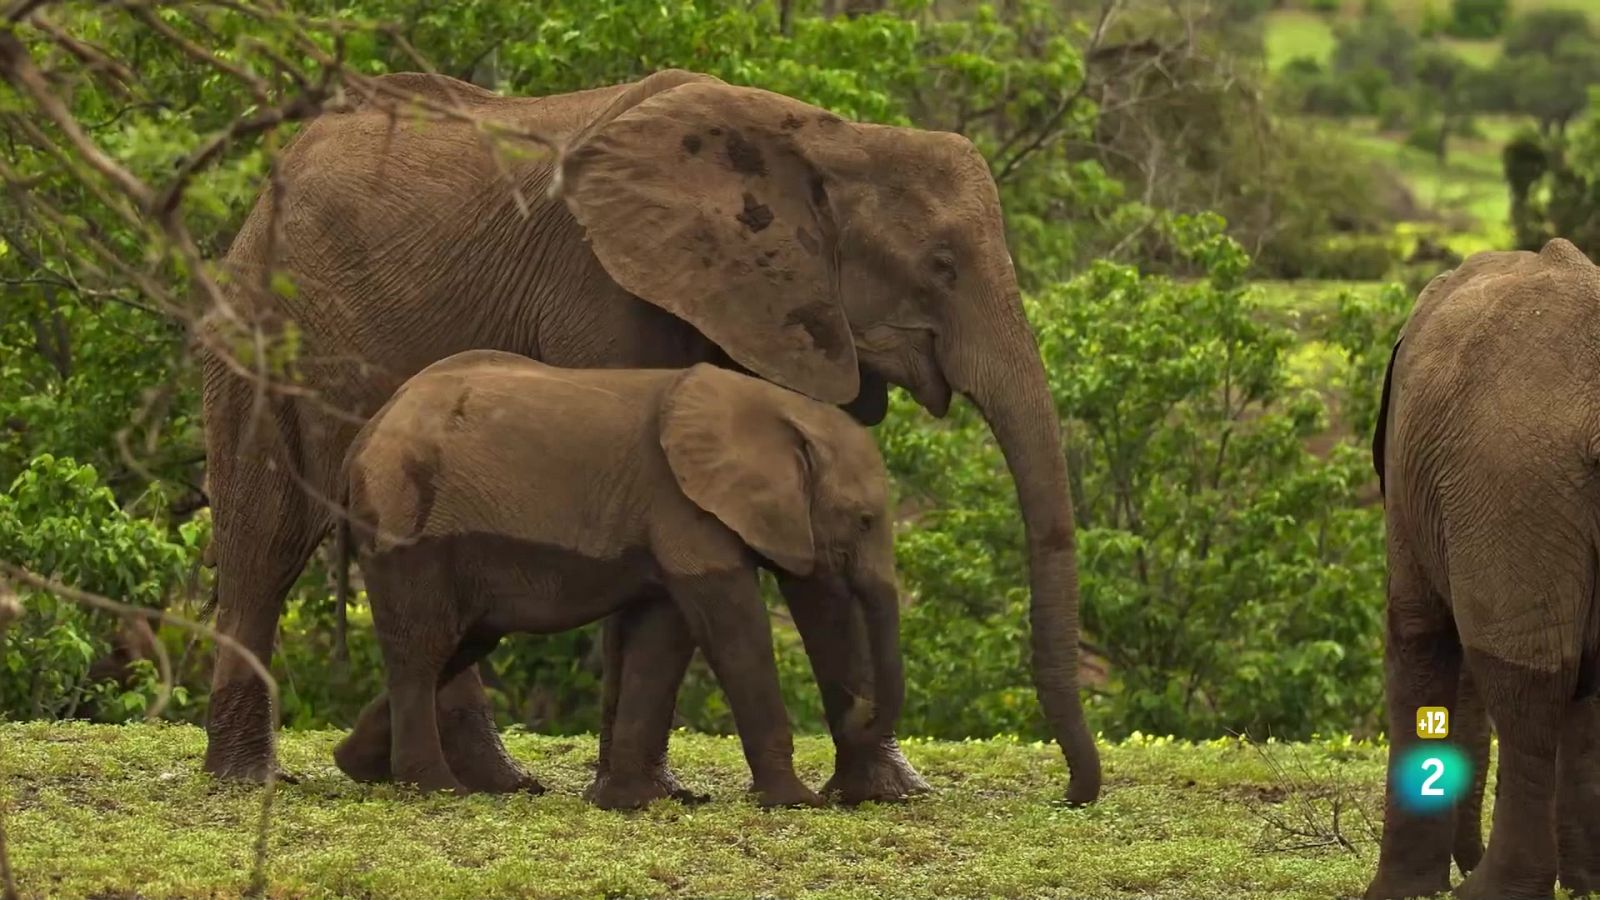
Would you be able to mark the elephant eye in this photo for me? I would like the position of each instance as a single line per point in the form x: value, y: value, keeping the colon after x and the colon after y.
x: 866, y: 521
x: 944, y: 266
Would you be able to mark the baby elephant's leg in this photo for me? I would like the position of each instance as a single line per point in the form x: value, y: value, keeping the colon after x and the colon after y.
x: 725, y: 615
x: 364, y: 753
x: 465, y: 718
x: 647, y: 651
x: 419, y: 638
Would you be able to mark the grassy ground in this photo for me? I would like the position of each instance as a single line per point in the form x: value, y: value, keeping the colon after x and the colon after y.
x: 110, y: 811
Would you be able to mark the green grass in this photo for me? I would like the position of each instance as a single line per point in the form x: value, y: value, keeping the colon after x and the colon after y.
x: 1294, y: 34
x: 113, y: 811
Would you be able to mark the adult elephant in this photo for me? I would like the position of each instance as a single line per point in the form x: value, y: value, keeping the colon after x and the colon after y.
x: 686, y: 220
x: 1487, y: 449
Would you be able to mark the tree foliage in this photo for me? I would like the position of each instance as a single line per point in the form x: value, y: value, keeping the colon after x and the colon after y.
x: 1230, y: 577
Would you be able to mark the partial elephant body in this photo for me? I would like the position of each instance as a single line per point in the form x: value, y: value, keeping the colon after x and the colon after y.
x: 494, y: 494
x: 692, y: 221
x: 1489, y: 450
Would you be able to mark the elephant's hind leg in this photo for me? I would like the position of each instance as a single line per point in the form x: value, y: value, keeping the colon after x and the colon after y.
x: 1469, y: 722
x: 1422, y: 664
x: 1578, y: 802
x: 647, y: 651
x: 470, y: 739
x: 418, y: 631
x: 1527, y: 706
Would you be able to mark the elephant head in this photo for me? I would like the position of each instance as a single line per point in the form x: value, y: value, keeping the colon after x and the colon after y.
x: 834, y: 258
x: 804, y: 486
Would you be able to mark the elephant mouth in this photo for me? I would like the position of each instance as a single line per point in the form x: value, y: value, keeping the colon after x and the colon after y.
x: 886, y: 357
x: 932, y: 393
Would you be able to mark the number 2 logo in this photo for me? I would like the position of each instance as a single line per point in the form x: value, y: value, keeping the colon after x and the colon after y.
x: 1435, y: 765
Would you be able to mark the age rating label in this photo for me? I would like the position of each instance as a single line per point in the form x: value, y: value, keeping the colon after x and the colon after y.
x: 1433, y: 723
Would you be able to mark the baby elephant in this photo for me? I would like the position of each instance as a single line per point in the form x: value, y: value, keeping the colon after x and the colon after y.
x: 494, y: 494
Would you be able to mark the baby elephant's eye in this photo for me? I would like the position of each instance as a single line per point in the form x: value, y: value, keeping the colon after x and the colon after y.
x: 866, y: 521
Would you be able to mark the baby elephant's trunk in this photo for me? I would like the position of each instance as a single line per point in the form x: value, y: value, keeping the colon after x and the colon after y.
x: 880, y: 606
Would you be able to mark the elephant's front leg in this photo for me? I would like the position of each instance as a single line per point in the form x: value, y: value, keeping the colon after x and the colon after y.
x: 835, y: 639
x: 647, y: 651
x: 727, y: 619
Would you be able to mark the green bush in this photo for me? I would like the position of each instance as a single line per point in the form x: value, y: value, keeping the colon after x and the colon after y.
x: 1478, y: 19
x: 59, y: 521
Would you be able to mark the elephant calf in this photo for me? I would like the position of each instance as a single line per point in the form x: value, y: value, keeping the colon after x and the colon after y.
x: 494, y: 494
x: 1488, y: 452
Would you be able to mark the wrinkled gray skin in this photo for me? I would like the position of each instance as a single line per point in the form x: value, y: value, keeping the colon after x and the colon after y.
x: 692, y: 221
x: 494, y: 494
x: 1488, y: 450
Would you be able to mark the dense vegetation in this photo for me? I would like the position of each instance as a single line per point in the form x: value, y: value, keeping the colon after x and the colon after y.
x: 1231, y: 546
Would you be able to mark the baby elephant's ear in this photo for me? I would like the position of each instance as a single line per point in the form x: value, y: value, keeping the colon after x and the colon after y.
x: 735, y: 454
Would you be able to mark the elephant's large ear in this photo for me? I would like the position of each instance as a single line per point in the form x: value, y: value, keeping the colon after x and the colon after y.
x: 735, y: 454
x: 1380, y: 431
x: 704, y: 200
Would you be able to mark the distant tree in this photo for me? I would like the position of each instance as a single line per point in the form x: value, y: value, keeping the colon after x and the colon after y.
x: 1479, y: 18
x: 1446, y: 80
x: 1434, y: 22
x: 1555, y: 185
x: 1551, y: 85
x: 1540, y: 32
x: 1378, y: 42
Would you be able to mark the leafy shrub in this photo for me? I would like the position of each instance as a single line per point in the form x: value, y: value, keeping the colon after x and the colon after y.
x: 59, y: 521
x: 1479, y: 19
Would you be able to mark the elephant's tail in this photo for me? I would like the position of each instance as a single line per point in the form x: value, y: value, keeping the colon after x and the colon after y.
x: 341, y: 581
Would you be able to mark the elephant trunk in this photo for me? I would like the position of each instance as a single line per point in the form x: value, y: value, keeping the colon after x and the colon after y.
x: 880, y: 608
x: 999, y: 368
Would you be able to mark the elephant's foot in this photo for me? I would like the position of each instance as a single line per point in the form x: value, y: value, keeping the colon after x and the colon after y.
x: 612, y: 790
x: 785, y: 792
x: 239, y: 737
x: 879, y: 772
x: 429, y: 781
x: 1404, y: 887
x: 363, y: 759
x: 499, y: 779
x: 473, y: 748
x: 254, y: 774
x: 1488, y: 883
